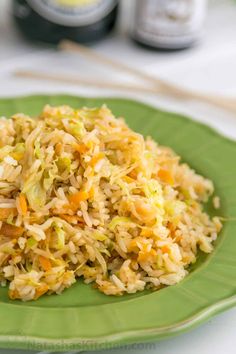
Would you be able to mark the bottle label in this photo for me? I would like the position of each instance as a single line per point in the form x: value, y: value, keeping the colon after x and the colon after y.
x: 169, y: 23
x: 72, y: 12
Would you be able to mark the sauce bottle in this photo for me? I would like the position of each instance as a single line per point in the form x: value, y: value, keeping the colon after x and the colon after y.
x: 53, y: 20
x: 168, y: 24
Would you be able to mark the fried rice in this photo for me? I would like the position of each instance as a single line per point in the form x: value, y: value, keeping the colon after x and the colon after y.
x: 82, y: 195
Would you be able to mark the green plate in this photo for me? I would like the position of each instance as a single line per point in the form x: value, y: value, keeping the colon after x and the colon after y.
x: 83, y: 318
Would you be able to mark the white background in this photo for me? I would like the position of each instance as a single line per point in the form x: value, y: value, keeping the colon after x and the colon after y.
x: 209, y: 67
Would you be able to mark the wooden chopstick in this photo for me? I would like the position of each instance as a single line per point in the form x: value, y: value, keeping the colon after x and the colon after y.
x: 31, y: 74
x: 161, y: 86
x: 91, y: 54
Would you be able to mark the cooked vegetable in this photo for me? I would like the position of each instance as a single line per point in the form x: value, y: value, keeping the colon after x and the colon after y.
x: 45, y: 263
x: 36, y: 196
x: 76, y: 198
x: 166, y: 176
x: 118, y: 220
x: 11, y: 230
x: 82, y: 195
x: 23, y: 204
x: 6, y: 212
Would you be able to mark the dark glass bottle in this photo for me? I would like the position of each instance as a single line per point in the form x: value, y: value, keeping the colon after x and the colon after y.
x: 51, y: 21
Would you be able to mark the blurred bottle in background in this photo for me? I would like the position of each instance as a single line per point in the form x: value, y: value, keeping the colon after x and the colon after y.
x: 51, y: 21
x: 168, y: 24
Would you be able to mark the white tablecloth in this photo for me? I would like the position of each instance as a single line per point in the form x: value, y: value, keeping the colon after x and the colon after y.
x: 210, y: 67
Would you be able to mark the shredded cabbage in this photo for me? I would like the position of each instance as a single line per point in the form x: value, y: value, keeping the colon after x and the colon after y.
x: 63, y: 163
x: 99, y: 236
x: 37, y: 150
x: 60, y: 235
x: 174, y: 207
x: 76, y: 129
x: 18, y: 152
x: 117, y: 220
x: 31, y: 242
x: 49, y: 177
x: 36, y: 196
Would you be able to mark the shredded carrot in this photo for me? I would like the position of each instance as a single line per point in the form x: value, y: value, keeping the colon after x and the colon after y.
x: 165, y: 249
x: 166, y: 176
x: 6, y: 212
x: 81, y: 148
x: 146, y: 233
x: 133, y: 174
x: 13, y: 294
x: 178, y: 239
x: 42, y: 289
x: 78, y: 197
x: 68, y: 218
x: 145, y: 210
x: 23, y: 204
x: 45, y: 263
x: 58, y: 148
x: 11, y: 230
x: 128, y: 179
x: 145, y: 256
x: 94, y: 160
x: 133, y: 246
x: 171, y: 226
x: 137, y: 243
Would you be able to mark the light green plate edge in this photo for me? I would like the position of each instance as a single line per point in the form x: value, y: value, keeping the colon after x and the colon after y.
x: 84, y: 319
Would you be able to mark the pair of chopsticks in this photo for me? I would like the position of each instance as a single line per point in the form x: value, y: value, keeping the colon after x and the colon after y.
x: 155, y: 85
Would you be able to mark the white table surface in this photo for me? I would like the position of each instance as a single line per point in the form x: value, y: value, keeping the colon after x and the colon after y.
x: 210, y: 67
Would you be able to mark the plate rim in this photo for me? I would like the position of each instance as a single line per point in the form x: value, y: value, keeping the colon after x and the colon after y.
x: 114, y: 340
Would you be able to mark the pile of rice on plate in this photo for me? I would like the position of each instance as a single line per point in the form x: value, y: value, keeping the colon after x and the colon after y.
x: 82, y: 195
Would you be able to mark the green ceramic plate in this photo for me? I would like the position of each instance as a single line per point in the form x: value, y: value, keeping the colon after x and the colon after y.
x: 83, y: 318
